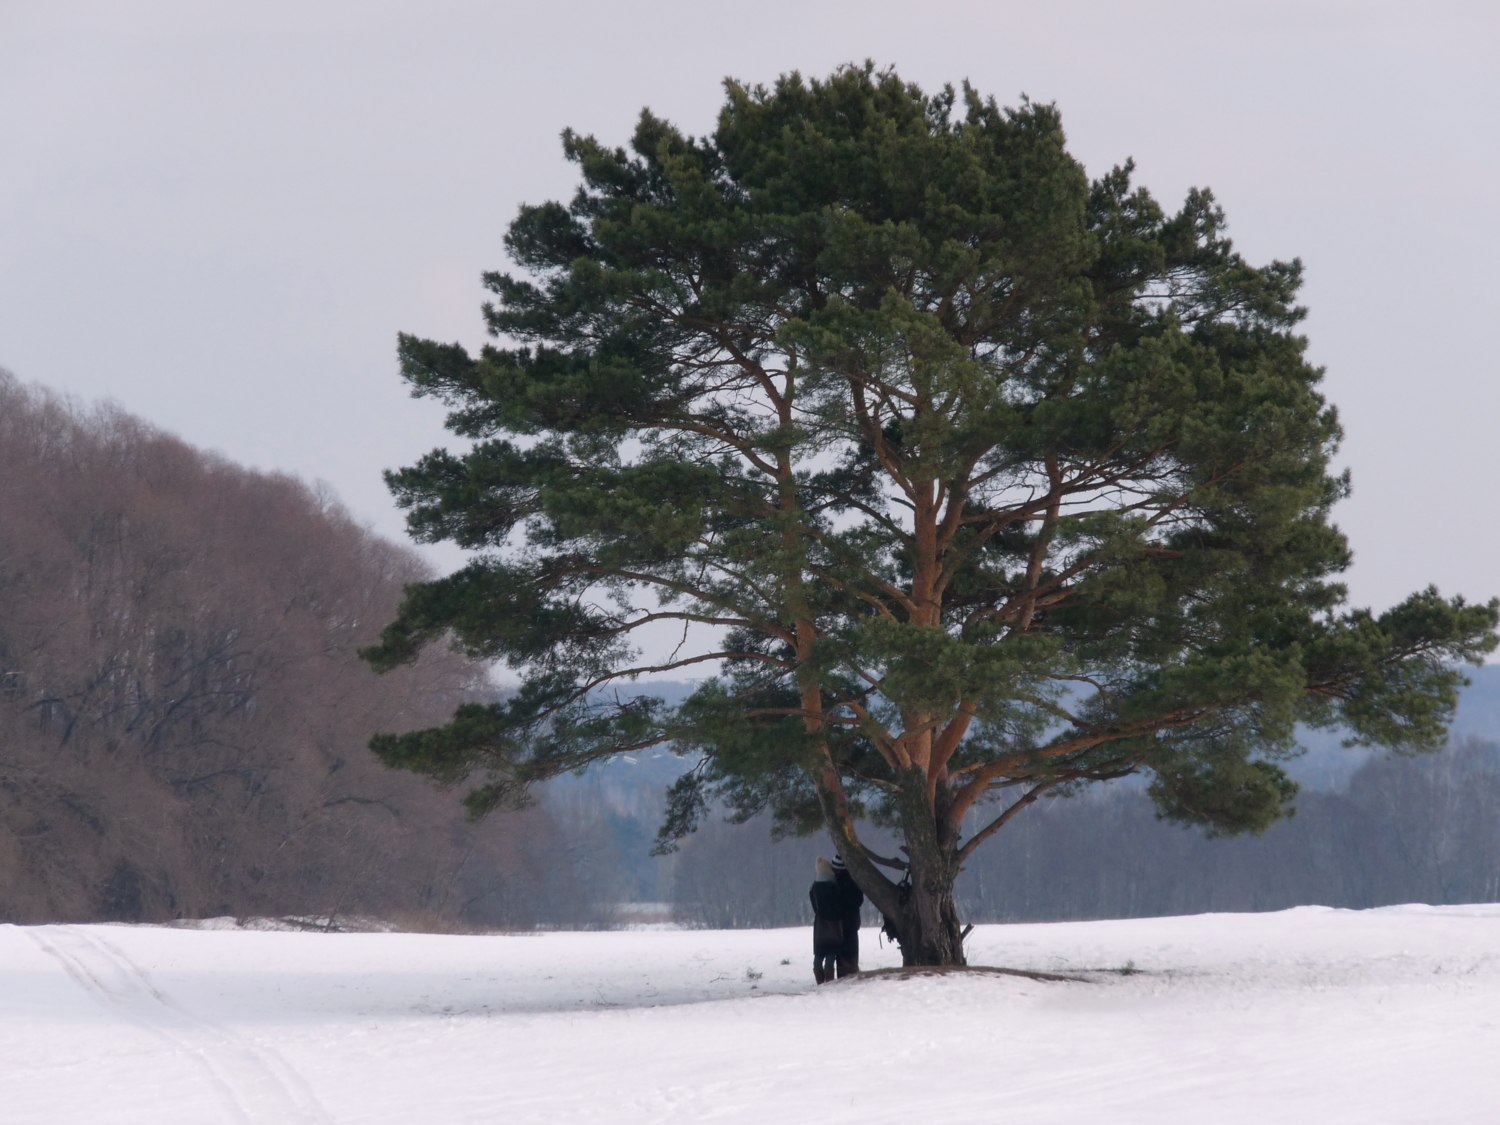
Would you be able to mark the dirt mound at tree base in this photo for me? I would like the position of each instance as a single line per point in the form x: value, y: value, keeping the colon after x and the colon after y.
x: 908, y: 971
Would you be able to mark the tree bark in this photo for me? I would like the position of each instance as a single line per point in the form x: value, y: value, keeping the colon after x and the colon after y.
x: 925, y: 917
x: 927, y: 927
x: 928, y: 930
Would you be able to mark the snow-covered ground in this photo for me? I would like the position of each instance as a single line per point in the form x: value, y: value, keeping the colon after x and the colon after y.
x: 1309, y: 1015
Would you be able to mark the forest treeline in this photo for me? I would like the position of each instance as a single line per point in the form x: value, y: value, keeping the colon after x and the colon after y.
x: 184, y: 719
x: 1401, y: 830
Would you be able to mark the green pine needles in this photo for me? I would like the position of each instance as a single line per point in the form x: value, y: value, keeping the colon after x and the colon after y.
x: 968, y: 479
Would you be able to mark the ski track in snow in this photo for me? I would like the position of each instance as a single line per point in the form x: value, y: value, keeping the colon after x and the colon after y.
x: 253, y: 1085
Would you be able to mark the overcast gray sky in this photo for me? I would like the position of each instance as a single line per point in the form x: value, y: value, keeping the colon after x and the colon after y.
x: 220, y: 214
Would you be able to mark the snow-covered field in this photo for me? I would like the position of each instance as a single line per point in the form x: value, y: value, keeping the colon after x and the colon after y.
x: 1309, y: 1015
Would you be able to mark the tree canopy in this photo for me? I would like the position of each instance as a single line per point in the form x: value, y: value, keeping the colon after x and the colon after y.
x: 966, y: 477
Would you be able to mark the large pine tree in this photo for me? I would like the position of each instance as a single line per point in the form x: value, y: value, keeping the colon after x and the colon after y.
x: 970, y: 478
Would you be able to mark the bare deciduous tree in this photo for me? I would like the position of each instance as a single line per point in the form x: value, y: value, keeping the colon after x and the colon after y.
x: 182, y: 717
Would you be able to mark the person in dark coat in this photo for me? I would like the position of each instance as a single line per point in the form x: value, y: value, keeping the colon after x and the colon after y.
x: 828, y: 922
x: 851, y: 898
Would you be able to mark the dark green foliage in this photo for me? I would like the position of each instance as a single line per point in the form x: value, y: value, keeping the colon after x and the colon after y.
x: 972, y: 474
x: 1227, y: 796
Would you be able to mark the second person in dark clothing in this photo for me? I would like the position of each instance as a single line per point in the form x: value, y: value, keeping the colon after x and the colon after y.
x: 828, y: 922
x: 851, y: 898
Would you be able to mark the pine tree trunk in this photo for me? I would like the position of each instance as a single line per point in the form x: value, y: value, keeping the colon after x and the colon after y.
x: 928, y: 923
x: 924, y: 914
x: 929, y: 933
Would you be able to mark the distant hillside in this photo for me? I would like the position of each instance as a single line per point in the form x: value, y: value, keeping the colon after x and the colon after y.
x: 183, y: 718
